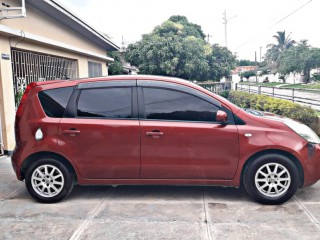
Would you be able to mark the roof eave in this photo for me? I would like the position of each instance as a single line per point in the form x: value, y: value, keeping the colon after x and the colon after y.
x: 66, y: 17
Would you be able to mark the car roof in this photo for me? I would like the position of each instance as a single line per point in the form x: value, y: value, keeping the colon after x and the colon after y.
x: 73, y: 82
x: 132, y: 77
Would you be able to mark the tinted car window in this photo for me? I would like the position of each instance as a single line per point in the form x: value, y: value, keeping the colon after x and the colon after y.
x: 174, y: 105
x: 105, y: 103
x: 55, y: 101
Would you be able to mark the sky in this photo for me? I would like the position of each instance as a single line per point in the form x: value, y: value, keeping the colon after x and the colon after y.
x: 251, y: 24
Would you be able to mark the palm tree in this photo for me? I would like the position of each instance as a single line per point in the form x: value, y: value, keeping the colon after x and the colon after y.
x: 275, y: 51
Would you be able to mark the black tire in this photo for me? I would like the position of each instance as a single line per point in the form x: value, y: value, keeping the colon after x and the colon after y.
x: 49, y: 188
x: 277, y: 178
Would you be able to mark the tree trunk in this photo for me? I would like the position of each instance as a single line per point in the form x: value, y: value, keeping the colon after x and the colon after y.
x: 306, y: 75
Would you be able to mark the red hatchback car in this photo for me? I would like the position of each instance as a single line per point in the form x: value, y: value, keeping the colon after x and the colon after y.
x: 155, y: 130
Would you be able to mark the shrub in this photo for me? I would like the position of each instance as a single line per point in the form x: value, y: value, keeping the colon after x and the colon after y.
x: 316, y: 77
x: 248, y: 74
x: 285, y: 108
x: 18, y: 97
x: 283, y: 78
x: 242, y: 99
x: 224, y: 93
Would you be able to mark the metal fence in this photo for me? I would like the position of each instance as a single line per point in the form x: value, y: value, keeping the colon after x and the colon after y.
x: 30, y: 67
x: 307, y: 97
x: 216, y: 87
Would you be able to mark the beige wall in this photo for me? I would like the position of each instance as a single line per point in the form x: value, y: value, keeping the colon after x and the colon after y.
x: 7, y: 106
x: 41, y: 25
x: 43, y: 48
x: 38, y: 24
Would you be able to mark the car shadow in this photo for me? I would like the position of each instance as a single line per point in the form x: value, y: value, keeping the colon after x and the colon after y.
x: 161, y: 193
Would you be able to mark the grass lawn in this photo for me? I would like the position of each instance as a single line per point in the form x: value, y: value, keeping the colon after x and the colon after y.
x: 318, y: 114
x: 270, y: 84
x: 309, y: 86
x: 273, y: 84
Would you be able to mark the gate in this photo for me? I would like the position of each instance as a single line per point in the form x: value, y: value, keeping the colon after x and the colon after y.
x: 30, y: 67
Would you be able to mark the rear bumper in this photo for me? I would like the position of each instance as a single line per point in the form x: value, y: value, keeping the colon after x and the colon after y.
x: 16, y: 164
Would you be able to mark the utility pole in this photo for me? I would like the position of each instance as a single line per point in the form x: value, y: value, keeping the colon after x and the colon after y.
x: 225, y: 22
x: 260, y: 54
x: 208, y: 37
x: 123, y: 47
x: 122, y: 42
x: 255, y: 59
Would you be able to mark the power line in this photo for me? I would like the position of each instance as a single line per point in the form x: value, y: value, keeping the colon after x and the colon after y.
x: 285, y: 11
x: 291, y: 14
x: 268, y: 28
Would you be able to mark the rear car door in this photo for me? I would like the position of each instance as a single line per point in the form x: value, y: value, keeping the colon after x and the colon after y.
x: 180, y: 138
x: 100, y: 130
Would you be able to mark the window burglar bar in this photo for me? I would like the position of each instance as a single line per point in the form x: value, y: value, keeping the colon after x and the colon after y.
x: 30, y: 67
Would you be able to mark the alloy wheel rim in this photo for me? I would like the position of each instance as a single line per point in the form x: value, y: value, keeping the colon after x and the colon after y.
x: 272, y: 180
x: 47, y: 180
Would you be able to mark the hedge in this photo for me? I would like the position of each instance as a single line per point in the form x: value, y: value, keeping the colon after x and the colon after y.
x: 265, y: 103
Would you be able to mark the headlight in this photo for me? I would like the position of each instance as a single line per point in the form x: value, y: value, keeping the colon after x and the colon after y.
x: 303, y: 130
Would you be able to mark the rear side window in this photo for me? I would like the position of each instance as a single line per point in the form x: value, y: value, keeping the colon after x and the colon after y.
x: 105, y: 103
x: 55, y: 101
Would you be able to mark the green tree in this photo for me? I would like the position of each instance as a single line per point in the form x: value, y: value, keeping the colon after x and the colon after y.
x: 300, y: 59
x: 177, y: 48
x: 189, y: 29
x: 248, y: 74
x: 245, y: 62
x: 275, y: 51
x: 221, y: 62
x: 115, y: 68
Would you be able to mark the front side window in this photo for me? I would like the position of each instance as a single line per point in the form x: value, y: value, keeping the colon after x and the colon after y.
x: 165, y: 104
x: 105, y: 103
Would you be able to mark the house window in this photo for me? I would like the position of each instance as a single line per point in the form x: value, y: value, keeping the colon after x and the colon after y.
x: 95, y: 69
x: 30, y: 67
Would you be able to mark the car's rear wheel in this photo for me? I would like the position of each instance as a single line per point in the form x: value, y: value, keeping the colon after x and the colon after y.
x: 48, y: 180
x: 271, y: 179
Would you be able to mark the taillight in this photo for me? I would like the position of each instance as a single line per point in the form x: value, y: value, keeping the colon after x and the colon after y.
x: 24, y: 99
x: 21, y: 107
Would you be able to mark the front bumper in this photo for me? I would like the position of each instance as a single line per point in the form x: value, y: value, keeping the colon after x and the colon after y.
x: 311, y: 165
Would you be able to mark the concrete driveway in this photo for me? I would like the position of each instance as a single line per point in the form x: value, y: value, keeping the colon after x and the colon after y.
x: 154, y: 212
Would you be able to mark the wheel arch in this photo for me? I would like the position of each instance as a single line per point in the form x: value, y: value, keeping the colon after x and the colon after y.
x: 37, y: 156
x: 274, y: 151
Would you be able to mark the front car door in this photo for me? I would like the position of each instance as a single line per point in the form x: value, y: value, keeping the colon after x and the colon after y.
x: 100, y: 132
x: 180, y: 138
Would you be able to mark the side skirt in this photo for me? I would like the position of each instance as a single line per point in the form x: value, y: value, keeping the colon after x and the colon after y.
x: 204, y: 182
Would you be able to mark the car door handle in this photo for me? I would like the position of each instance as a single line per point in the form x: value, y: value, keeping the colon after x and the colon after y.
x: 154, y: 134
x: 71, y: 132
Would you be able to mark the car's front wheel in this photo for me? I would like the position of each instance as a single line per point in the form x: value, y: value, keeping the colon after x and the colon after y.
x: 48, y: 180
x: 271, y: 179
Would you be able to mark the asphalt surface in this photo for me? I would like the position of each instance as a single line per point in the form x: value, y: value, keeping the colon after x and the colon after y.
x: 154, y: 212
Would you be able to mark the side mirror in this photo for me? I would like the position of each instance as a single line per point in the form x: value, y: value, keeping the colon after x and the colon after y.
x: 221, y: 116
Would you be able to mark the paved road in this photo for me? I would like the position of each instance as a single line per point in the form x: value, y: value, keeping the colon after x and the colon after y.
x: 154, y: 212
x: 287, y: 94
